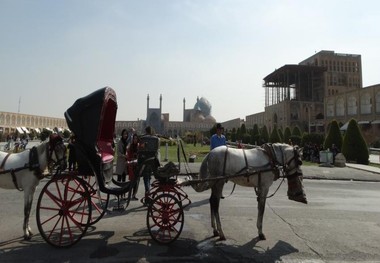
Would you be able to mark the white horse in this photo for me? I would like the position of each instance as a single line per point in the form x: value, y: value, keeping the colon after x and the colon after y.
x: 24, y: 170
x: 257, y: 167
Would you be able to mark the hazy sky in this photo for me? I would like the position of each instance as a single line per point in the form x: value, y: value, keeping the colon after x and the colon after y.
x: 53, y: 52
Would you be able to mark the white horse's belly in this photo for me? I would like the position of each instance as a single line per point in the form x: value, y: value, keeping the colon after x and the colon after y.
x: 253, y: 180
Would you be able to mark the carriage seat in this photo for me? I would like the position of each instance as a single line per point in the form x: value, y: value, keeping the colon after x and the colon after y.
x: 168, y: 170
x: 106, y: 151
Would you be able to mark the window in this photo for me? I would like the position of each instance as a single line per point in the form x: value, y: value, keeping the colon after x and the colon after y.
x: 340, y: 107
x: 351, y: 106
x: 365, y: 104
x: 330, y: 108
x: 377, y: 99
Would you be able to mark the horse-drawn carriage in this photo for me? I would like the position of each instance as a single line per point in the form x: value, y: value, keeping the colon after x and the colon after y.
x: 72, y: 201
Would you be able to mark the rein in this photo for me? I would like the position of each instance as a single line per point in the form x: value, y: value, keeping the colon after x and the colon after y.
x: 286, y: 173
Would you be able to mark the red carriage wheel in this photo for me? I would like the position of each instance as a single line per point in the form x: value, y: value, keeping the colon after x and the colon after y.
x: 63, y: 211
x: 99, y: 200
x: 165, y: 218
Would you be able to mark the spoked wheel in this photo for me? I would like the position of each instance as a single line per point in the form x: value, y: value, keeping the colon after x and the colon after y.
x: 99, y: 200
x: 165, y: 218
x: 63, y: 210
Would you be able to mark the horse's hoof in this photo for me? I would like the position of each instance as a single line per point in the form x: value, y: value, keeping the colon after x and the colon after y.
x: 262, y: 237
x: 216, y: 233
x: 27, y: 237
x: 222, y: 238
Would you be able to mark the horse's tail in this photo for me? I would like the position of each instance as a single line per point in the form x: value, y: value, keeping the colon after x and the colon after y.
x: 203, y: 175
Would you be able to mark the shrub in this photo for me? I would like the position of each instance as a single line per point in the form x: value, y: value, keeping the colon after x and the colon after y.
x: 354, y: 147
x: 334, y: 136
x: 296, y: 136
x: 264, y: 135
x: 287, y: 135
x: 274, y: 137
x: 313, y: 138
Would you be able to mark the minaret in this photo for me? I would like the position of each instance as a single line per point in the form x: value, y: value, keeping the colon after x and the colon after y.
x: 184, y: 108
x: 160, y: 103
x: 147, y: 106
x: 147, y: 102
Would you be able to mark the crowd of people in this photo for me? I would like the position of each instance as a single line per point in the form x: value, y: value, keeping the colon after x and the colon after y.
x: 311, y: 152
x: 16, y: 143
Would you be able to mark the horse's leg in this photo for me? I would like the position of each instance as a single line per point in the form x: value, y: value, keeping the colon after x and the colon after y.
x: 216, y: 193
x: 261, y: 199
x: 212, y: 214
x: 28, y: 200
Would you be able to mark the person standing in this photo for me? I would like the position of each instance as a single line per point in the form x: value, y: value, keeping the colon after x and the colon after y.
x: 132, y: 150
x: 218, y: 139
x: 151, y: 165
x: 121, y: 160
x: 72, y: 154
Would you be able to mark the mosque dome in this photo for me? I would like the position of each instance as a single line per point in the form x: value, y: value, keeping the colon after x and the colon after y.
x: 210, y: 119
x: 198, y: 116
x: 203, y: 105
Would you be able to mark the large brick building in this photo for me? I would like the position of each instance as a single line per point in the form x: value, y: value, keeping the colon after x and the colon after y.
x: 321, y: 88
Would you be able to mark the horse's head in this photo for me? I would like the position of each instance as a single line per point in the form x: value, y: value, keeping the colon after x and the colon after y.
x: 57, y: 153
x: 291, y: 159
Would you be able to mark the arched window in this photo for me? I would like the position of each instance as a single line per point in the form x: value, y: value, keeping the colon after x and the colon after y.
x: 352, y: 107
x: 365, y: 104
x: 330, y: 108
x: 340, y: 107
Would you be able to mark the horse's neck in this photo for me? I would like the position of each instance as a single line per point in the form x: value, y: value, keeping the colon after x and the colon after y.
x: 42, y: 155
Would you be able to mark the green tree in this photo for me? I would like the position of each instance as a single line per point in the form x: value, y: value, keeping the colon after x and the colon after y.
x: 354, y: 147
x: 45, y: 134
x: 274, y: 137
x: 334, y: 136
x: 238, y: 134
x: 233, y: 135
x: 313, y: 138
x: 243, y: 129
x: 281, y: 135
x: 264, y: 135
x: 287, y: 135
x: 296, y: 136
x: 255, y: 136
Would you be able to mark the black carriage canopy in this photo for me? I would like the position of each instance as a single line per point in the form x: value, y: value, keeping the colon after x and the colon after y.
x: 92, y: 118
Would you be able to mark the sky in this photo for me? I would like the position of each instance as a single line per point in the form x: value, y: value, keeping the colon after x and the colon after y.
x: 54, y: 52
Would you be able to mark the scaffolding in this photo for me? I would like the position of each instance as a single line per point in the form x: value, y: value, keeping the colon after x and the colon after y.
x: 295, y: 82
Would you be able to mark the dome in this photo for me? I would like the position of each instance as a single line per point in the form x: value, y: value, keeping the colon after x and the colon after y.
x: 198, y: 117
x: 203, y: 105
x: 210, y: 119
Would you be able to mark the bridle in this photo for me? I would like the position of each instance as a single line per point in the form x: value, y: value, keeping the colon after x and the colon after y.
x: 287, y: 169
x: 53, y: 147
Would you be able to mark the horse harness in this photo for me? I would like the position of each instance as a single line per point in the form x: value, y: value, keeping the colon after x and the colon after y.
x: 33, y: 165
x: 246, y: 172
x: 274, y: 167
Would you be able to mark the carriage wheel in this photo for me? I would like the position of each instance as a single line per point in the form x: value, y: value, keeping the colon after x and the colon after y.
x: 99, y: 200
x: 63, y: 211
x: 165, y: 218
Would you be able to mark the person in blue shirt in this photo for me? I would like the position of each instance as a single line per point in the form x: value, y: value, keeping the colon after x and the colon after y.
x: 218, y: 139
